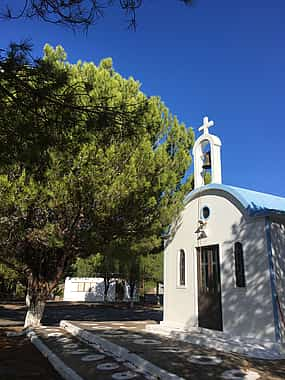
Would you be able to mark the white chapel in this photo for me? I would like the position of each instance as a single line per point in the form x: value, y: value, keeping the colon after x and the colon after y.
x: 224, y: 265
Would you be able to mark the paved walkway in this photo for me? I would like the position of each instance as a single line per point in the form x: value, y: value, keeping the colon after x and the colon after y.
x: 84, y: 361
x: 131, y: 352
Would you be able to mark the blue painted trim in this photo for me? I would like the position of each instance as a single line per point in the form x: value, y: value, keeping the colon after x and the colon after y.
x: 272, y: 280
x: 215, y: 186
x: 254, y: 203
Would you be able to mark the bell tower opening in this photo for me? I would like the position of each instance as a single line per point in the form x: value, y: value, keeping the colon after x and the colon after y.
x: 207, y: 157
x: 207, y: 163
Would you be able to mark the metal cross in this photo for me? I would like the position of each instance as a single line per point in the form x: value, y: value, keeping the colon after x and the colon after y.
x: 206, y: 125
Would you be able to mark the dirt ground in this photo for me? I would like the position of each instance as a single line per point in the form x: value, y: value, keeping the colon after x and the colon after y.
x: 19, y: 359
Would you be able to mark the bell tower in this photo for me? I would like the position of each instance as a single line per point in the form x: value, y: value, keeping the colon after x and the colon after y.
x: 207, y: 156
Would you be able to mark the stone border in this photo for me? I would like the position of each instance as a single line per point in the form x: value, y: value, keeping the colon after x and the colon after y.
x: 65, y: 372
x: 143, y: 366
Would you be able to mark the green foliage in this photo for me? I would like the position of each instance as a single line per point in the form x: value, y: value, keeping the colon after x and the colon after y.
x: 88, y: 164
x: 207, y: 178
x: 10, y: 283
x: 106, y: 266
x: 152, y: 267
x: 88, y: 267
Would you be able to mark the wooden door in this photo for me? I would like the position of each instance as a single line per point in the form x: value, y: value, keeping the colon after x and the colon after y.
x: 209, y: 288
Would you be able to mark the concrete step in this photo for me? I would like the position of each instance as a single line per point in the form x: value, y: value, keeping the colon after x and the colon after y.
x: 222, y: 342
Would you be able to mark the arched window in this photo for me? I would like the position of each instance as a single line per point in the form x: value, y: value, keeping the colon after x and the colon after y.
x: 239, y: 266
x: 182, y: 268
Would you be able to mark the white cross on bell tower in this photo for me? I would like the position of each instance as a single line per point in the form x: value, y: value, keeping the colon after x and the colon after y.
x: 206, y: 125
x: 215, y: 154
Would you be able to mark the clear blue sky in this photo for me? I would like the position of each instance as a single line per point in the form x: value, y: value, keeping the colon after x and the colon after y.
x: 220, y: 58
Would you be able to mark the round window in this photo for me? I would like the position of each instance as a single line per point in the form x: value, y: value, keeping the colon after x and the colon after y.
x: 205, y: 212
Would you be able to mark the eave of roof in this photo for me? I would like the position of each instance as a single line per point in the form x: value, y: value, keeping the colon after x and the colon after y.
x: 254, y: 203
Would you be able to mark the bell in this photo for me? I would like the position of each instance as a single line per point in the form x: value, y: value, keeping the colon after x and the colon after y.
x: 207, y: 160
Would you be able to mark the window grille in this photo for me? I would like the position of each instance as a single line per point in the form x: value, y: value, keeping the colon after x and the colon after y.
x: 239, y: 266
x: 182, y: 279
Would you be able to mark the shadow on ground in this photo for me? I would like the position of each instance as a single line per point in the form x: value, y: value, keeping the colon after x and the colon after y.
x: 20, y: 360
x: 14, y: 314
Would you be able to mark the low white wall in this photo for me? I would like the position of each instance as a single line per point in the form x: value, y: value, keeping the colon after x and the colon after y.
x: 91, y: 289
x: 88, y: 289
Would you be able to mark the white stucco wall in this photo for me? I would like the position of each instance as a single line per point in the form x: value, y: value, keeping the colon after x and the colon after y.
x: 278, y: 252
x: 93, y: 291
x: 246, y: 311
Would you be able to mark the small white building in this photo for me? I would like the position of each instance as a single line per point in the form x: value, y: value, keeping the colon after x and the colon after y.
x: 224, y: 266
x: 90, y: 289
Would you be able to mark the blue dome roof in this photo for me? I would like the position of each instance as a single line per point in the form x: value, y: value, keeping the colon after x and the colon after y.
x: 254, y: 202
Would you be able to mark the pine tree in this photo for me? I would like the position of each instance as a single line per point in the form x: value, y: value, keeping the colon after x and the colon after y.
x: 88, y: 164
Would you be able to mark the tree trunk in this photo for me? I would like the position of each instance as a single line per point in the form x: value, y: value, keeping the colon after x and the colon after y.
x: 132, y: 290
x: 157, y: 294
x: 106, y: 287
x: 36, y: 305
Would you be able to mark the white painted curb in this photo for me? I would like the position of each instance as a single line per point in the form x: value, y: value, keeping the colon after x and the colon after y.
x: 141, y: 364
x: 65, y: 372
